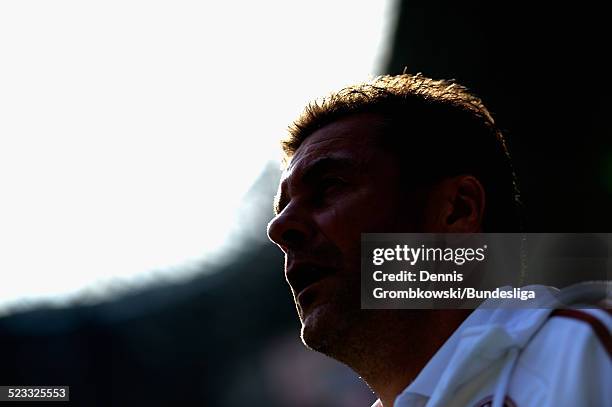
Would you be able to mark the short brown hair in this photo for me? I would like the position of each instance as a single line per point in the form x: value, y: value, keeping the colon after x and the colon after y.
x: 427, y: 115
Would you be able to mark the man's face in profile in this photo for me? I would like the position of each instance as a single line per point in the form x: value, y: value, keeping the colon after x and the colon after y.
x: 338, y: 184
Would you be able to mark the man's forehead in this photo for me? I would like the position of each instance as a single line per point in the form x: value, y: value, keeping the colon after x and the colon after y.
x: 306, y: 169
x: 351, y: 138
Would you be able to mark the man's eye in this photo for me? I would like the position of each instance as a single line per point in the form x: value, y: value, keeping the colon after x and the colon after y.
x: 330, y: 184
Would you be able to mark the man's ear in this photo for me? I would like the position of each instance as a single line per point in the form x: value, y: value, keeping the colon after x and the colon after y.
x: 455, y: 205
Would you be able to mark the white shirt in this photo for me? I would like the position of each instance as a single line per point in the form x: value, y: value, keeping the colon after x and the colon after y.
x: 523, y: 357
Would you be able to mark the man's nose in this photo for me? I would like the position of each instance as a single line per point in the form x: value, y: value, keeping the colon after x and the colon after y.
x: 289, y: 231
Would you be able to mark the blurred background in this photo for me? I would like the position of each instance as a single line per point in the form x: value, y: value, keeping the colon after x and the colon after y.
x: 139, y: 158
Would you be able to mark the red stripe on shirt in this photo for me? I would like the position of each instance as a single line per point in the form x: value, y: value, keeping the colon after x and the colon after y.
x: 598, y: 327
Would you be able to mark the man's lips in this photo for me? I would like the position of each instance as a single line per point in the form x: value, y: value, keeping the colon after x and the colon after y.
x: 301, y: 275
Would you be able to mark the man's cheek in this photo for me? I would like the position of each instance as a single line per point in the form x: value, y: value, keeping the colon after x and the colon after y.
x: 347, y: 216
x: 338, y: 226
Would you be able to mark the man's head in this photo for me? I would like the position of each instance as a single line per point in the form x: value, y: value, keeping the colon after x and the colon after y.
x: 398, y: 154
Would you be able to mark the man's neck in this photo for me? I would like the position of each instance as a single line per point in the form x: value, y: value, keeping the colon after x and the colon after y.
x: 397, y: 345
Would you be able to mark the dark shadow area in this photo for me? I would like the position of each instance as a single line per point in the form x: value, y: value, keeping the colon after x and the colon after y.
x: 540, y: 69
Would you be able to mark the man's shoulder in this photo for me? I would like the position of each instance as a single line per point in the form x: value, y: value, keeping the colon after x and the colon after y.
x: 568, y: 360
x: 570, y: 336
x: 529, y: 356
x: 586, y: 327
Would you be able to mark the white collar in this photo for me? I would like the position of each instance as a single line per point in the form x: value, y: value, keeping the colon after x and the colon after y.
x: 516, y: 324
x: 488, y: 332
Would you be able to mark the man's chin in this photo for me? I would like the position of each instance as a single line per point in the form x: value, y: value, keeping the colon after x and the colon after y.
x: 315, y: 327
x: 323, y: 330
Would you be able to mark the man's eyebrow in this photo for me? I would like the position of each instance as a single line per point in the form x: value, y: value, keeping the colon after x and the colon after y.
x: 325, y: 164
x: 310, y: 174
